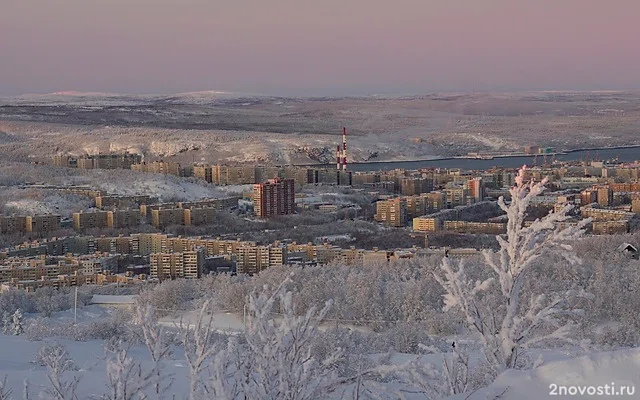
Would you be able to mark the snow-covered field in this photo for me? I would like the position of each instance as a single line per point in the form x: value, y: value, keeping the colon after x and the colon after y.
x: 616, y: 369
x: 612, y: 374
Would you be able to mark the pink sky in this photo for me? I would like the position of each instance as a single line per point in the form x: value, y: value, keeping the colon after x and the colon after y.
x: 317, y: 46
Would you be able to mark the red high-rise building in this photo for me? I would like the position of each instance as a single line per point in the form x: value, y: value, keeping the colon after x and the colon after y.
x: 476, y: 189
x: 274, y: 197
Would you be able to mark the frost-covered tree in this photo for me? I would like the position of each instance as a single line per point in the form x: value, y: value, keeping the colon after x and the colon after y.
x: 5, y: 392
x: 507, y: 319
x: 198, y: 349
x: 58, y: 362
x: 157, y: 342
x: 7, y: 323
x: 127, y: 378
x: 17, y: 326
x: 274, y: 360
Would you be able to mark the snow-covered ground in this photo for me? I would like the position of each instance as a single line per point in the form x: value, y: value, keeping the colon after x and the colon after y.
x: 616, y: 369
x: 581, y: 377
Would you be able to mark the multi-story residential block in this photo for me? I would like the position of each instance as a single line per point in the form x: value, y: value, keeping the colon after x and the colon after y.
x: 199, y: 216
x: 121, y: 201
x: 147, y: 243
x: 629, y: 187
x: 600, y: 214
x: 108, y: 161
x: 635, y: 206
x: 416, y: 206
x: 475, y: 187
x: 159, y: 167
x: 90, y: 220
x: 274, y: 197
x: 66, y: 161
x: 392, y: 212
x: 325, y: 254
x: 604, y: 195
x: 123, y: 218
x: 251, y: 259
x: 435, y: 201
x: 42, y: 223
x: 233, y: 175
x: 217, y: 204
x: 610, y: 227
x: 415, y: 186
x: 12, y: 224
x: 588, y: 196
x: 492, y: 228
x: 204, y: 172
x: 187, y: 264
x: 167, y: 216
x: 456, y: 196
x: 426, y: 224
x: 35, y: 271
x: 352, y: 256
x: 106, y: 219
x: 361, y: 178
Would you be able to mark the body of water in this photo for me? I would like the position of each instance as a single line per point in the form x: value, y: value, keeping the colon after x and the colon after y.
x: 623, y: 154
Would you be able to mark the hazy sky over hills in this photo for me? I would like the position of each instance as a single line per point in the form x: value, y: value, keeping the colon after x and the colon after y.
x: 300, y: 47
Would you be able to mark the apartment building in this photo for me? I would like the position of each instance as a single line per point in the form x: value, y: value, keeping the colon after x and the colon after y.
x: 12, y: 224
x: 148, y: 243
x: 610, y: 227
x: 167, y: 216
x: 217, y: 204
x: 199, y: 216
x: 42, y: 223
x: 588, y: 196
x: 120, y: 201
x: 475, y: 189
x: 630, y: 187
x: 90, y: 264
x: 392, y: 212
x: 90, y: 220
x: 456, y: 196
x: 159, y: 167
x: 114, y: 245
x: 492, y: 228
x: 163, y: 217
x: 251, y: 259
x: 601, y: 214
x: 106, y: 219
x: 66, y: 161
x: 274, y: 197
x: 123, y: 218
x: 233, y: 175
x: 604, y: 195
x: 108, y: 161
x: 35, y: 271
x: 416, y: 206
x: 426, y: 224
x: 188, y: 264
x: 414, y: 186
x: 435, y: 201
x: 352, y: 256
x: 70, y: 280
x: 325, y: 254
x: 204, y: 172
